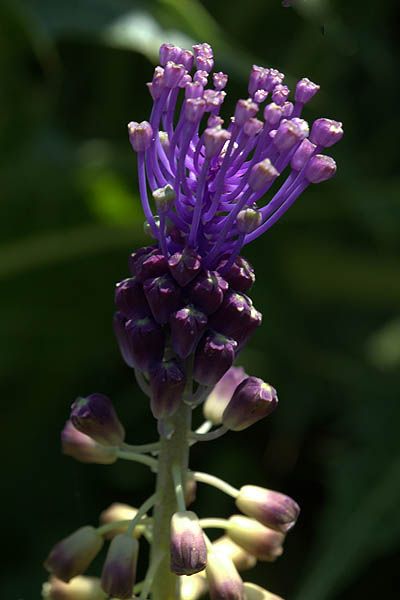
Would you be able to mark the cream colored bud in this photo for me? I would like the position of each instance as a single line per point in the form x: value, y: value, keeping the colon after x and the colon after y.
x: 242, y: 559
x: 119, y: 512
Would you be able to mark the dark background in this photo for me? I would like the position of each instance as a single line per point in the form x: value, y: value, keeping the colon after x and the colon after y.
x: 73, y: 74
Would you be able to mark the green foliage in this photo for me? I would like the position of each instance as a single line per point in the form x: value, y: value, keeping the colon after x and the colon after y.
x: 73, y: 74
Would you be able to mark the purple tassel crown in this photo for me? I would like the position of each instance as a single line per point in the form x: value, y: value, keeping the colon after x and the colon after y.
x: 207, y: 185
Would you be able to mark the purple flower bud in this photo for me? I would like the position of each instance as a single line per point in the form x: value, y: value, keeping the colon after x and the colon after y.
x: 203, y: 49
x: 240, y: 276
x: 204, y: 64
x: 187, y: 326
x: 78, y: 588
x: 273, y: 78
x: 130, y: 299
x: 280, y: 94
x: 73, y: 554
x: 119, y: 512
x: 223, y: 579
x: 170, y: 52
x: 186, y: 59
x: 95, y: 416
x: 320, y: 168
x: 146, y: 342
x: 173, y: 74
x: 119, y: 571
x: 188, y: 546
x: 163, y: 296
x: 262, y: 542
x: 85, y: 449
x: 214, y: 355
x: 287, y: 110
x: 302, y: 154
x: 213, y: 100
x: 242, y: 559
x: 288, y: 134
x: 257, y: 77
x: 167, y: 384
x: 302, y: 125
x: 233, y: 316
x: 251, y: 590
x: 201, y: 77
x: 262, y: 174
x: 272, y: 509
x: 164, y: 139
x: 214, y: 139
x: 194, y: 90
x: 252, y: 400
x: 273, y: 113
x: 217, y: 401
x: 207, y: 291
x: 305, y: 90
x: 140, y: 135
x: 260, y: 96
x: 220, y: 80
x: 157, y: 86
x: 194, y: 109
x: 140, y: 255
x: 185, y: 265
x: 245, y: 109
x: 252, y: 127
x: 248, y: 220
x: 326, y: 132
x: 164, y: 199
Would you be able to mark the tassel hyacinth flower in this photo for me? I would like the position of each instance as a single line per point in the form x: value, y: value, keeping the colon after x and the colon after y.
x: 183, y: 316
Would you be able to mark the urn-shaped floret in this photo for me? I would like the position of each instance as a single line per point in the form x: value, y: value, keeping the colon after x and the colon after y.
x: 187, y: 326
x: 242, y: 559
x: 185, y: 265
x: 261, y: 541
x: 146, y: 342
x: 130, y: 299
x: 221, y: 394
x: 207, y: 291
x: 273, y: 509
x: 167, y: 382
x: 163, y: 295
x: 223, y: 579
x: 95, y: 416
x: 252, y: 400
x: 84, y: 448
x: 78, y: 588
x: 214, y: 355
x: 240, y: 275
x: 119, y: 570
x: 73, y: 555
x: 188, y: 546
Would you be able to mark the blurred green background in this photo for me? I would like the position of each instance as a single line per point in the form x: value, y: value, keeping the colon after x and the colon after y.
x: 73, y: 73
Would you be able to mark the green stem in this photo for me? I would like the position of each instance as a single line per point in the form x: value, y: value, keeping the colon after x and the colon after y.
x: 135, y: 456
x: 174, y: 450
x: 216, y: 523
x: 222, y: 485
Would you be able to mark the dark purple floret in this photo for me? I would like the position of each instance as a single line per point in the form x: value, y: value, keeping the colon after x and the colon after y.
x: 240, y: 274
x: 252, y: 400
x: 207, y: 291
x: 146, y: 342
x: 233, y: 317
x: 130, y: 299
x: 184, y: 265
x: 167, y: 384
x: 214, y: 355
x: 163, y: 295
x: 150, y: 265
x: 187, y: 326
x: 95, y: 416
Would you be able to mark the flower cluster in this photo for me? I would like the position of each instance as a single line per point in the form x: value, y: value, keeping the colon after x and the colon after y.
x: 183, y: 316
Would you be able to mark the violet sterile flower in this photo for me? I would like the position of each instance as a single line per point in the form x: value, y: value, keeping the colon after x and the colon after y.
x: 210, y: 183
